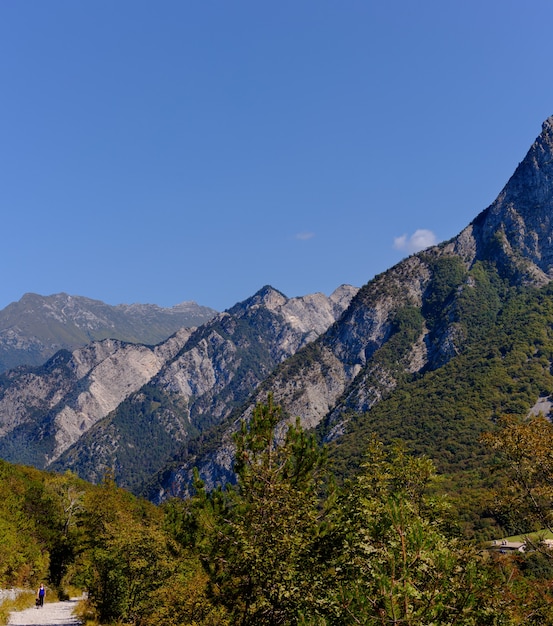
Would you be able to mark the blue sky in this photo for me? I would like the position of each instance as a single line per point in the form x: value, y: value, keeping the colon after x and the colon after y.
x: 169, y: 151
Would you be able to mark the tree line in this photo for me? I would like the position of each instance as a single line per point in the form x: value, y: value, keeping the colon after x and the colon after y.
x: 285, y: 545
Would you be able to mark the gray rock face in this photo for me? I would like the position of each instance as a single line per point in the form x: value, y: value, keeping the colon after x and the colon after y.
x: 516, y: 230
x: 58, y: 403
x: 61, y: 412
x: 217, y: 358
x: 35, y: 328
x: 342, y: 370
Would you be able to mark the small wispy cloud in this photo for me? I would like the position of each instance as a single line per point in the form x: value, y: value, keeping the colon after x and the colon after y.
x: 304, y: 236
x: 419, y: 240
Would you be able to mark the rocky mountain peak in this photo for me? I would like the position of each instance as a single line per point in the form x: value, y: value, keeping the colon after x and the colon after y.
x: 529, y: 188
x: 343, y: 294
x: 514, y: 232
x: 267, y: 297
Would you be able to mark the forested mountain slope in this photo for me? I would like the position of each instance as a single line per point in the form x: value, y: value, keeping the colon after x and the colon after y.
x: 403, y: 329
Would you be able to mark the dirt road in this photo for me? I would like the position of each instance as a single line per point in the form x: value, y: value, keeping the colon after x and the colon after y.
x: 51, y: 614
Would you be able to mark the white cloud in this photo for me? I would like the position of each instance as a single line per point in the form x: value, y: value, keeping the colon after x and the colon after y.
x: 419, y: 240
x: 304, y: 236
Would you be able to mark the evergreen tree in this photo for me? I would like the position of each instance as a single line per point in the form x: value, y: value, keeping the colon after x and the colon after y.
x: 262, y: 538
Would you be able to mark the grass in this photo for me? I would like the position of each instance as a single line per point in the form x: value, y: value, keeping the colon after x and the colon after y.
x: 538, y: 534
x: 84, y: 612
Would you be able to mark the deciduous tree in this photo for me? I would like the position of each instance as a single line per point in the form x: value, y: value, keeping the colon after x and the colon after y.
x: 397, y: 564
x: 525, y: 456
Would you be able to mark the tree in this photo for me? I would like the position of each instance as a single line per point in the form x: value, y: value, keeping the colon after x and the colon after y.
x: 125, y: 555
x: 524, y: 505
x: 281, y: 548
x: 262, y: 538
x: 525, y: 456
x: 397, y: 564
x: 67, y: 494
x: 26, y: 526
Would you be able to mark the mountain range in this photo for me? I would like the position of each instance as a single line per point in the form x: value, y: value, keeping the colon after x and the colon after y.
x: 403, y: 328
x: 431, y: 352
x: 36, y: 327
x: 127, y: 408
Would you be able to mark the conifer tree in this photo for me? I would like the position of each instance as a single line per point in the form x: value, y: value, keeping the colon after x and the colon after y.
x: 263, y: 535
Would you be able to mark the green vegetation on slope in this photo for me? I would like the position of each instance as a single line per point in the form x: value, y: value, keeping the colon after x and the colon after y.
x: 285, y: 546
x: 503, y: 339
x: 149, y: 428
x: 503, y: 366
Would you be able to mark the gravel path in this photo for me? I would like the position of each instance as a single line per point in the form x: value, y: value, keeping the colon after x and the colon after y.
x: 51, y: 614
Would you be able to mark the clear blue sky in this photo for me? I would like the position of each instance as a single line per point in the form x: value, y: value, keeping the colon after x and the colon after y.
x: 182, y: 150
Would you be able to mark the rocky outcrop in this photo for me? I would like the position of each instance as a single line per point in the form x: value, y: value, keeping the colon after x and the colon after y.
x: 516, y: 230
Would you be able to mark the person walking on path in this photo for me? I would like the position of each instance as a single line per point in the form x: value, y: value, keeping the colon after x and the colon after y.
x: 40, y: 595
x: 53, y: 614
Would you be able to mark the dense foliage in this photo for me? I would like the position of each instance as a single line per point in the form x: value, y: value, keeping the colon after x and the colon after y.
x: 504, y: 342
x: 285, y: 545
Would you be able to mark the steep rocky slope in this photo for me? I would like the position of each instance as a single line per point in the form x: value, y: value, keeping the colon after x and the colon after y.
x: 408, y: 320
x: 217, y: 369
x: 45, y: 410
x: 127, y: 407
x: 516, y: 230
x: 36, y: 327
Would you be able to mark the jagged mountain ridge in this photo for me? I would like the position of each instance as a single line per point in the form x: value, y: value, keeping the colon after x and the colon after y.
x: 44, y: 410
x: 412, y: 311
x: 220, y: 365
x: 33, y: 329
x: 69, y: 412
